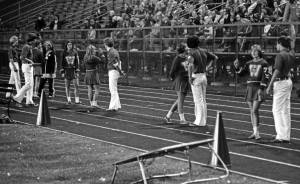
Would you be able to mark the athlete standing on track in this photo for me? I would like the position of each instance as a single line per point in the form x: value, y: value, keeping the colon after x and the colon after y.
x: 256, y: 85
x: 114, y: 72
x: 49, y: 67
x: 198, y: 59
x: 27, y: 61
x: 92, y: 78
x: 14, y: 63
x: 282, y: 89
x: 70, y: 71
x: 180, y: 78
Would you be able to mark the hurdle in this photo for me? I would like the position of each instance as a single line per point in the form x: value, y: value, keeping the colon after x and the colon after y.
x: 213, y: 145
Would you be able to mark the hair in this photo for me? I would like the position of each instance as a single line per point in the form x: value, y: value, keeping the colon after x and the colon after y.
x: 284, y: 41
x: 48, y: 42
x: 181, y: 48
x: 90, y: 51
x: 193, y: 41
x: 66, y: 46
x: 109, y: 42
x: 37, y: 43
x: 31, y: 37
x: 13, y: 39
x: 257, y: 48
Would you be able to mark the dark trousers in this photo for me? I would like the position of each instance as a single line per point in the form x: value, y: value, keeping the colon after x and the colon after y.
x: 50, y: 84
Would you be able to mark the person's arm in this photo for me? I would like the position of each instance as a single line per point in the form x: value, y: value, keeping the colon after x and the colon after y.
x: 11, y: 60
x: 277, y: 66
x: 63, y: 64
x: 173, y: 68
x: 191, y: 68
x: 286, y: 13
x: 24, y: 54
x: 212, y: 58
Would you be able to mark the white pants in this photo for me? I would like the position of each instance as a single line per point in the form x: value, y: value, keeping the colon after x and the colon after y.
x: 27, y: 89
x: 15, y: 76
x: 199, y: 95
x: 282, y: 108
x: 113, y: 76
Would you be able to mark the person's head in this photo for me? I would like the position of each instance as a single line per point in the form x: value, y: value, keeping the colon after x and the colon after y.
x: 31, y: 37
x: 48, y: 45
x: 181, y: 48
x: 56, y: 18
x: 90, y: 51
x: 37, y: 43
x: 108, y: 43
x: 13, y: 40
x: 256, y: 51
x: 193, y: 41
x: 69, y: 46
x: 283, y: 42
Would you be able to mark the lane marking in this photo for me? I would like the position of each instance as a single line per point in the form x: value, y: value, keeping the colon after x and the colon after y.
x: 142, y: 150
x: 167, y: 140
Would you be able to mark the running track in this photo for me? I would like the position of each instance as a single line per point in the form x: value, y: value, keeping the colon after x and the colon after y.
x: 138, y: 125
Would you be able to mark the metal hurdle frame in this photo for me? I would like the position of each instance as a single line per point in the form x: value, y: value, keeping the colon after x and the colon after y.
x: 165, y: 151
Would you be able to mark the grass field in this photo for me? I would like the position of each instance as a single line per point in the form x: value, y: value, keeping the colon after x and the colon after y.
x: 31, y: 154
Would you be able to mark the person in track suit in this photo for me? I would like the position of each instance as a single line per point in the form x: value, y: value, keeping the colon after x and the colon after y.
x: 257, y: 69
x: 13, y: 57
x: 282, y: 89
x: 27, y: 61
x: 199, y: 61
x: 114, y: 72
x: 180, y: 78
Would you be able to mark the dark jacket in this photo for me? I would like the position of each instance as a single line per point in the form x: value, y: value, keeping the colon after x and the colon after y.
x: 49, y: 64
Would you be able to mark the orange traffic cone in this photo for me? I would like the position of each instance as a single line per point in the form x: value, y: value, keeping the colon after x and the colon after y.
x: 220, y: 144
x: 43, y: 117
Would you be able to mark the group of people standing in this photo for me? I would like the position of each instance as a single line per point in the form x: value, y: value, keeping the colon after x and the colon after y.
x: 36, y: 66
x: 188, y: 72
x: 39, y: 65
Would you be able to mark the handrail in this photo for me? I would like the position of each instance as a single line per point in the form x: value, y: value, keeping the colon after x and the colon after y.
x: 86, y: 12
x: 16, y: 3
x: 17, y: 17
x: 88, y: 8
x: 220, y: 4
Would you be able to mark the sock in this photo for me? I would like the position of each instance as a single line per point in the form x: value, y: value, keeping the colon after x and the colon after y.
x: 76, y: 99
x: 169, y: 114
x: 92, y: 103
x: 69, y: 99
x: 95, y: 103
x: 181, y: 116
x: 255, y: 130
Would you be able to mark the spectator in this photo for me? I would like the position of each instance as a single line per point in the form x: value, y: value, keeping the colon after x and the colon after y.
x: 40, y: 24
x: 56, y: 24
x: 292, y: 14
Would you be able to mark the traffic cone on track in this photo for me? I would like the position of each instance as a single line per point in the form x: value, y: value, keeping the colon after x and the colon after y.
x: 43, y: 117
x: 220, y: 144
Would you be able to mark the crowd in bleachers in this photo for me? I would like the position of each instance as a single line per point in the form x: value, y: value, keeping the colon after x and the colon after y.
x: 156, y: 13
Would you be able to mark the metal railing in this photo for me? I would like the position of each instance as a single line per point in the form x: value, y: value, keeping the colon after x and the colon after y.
x: 149, y: 57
